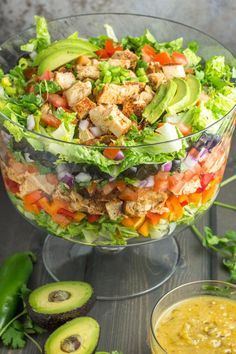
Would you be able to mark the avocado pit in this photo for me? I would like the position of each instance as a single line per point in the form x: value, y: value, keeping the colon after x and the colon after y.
x: 71, y: 344
x: 58, y: 296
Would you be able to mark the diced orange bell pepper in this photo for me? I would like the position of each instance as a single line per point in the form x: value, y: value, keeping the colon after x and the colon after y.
x: 58, y: 204
x: 33, y: 197
x: 44, y: 204
x: 183, y: 199
x: 120, y: 185
x: 32, y: 208
x: 133, y: 222
x: 144, y: 229
x: 154, y: 218
x: 195, y: 198
x: 175, y: 207
x: 209, y: 193
x: 110, y: 153
x: 78, y: 216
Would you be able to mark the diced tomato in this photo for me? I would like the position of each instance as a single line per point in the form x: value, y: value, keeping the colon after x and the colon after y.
x: 120, y: 185
x: 111, y: 153
x: 93, y: 218
x: 33, y: 197
x: 188, y: 175
x: 109, y: 49
x: 163, y: 58
x: 154, y: 218
x: 184, y: 129
x: 12, y: 185
x: 66, y: 213
x: 128, y: 194
x: 179, y: 58
x: 32, y: 169
x: 57, y: 100
x: 52, y: 179
x: 50, y: 120
x: 176, y: 182
x: 108, y: 188
x: 61, y: 220
x: 29, y: 72
x: 148, y: 53
x: 206, y: 179
x: 29, y: 88
x: 47, y: 75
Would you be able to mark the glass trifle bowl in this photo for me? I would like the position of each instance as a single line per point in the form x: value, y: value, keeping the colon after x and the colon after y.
x: 109, y: 214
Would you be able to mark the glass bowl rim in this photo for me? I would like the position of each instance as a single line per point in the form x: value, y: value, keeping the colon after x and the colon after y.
x: 25, y: 130
x: 211, y: 281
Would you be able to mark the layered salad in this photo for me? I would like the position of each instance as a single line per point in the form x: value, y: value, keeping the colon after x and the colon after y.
x: 104, y: 140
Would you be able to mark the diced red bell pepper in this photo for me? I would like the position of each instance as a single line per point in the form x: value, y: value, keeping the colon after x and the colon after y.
x: 65, y: 212
x: 206, y: 179
x: 12, y: 185
x: 154, y: 218
x: 33, y: 197
x: 93, y: 218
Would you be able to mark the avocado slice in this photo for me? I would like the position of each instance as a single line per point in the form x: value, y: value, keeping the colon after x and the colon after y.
x: 65, y: 44
x: 195, y: 91
x: 160, y: 102
x: 181, y: 97
x: 79, y: 336
x: 55, y: 303
x: 59, y: 58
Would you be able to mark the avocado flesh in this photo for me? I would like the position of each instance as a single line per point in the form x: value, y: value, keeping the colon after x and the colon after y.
x: 166, y: 94
x: 195, y: 91
x: 66, y: 44
x: 160, y: 94
x: 86, y: 329
x: 181, y: 97
x: 53, y: 304
x: 59, y: 58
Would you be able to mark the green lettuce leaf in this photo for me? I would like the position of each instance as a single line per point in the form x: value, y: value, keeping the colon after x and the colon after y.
x: 42, y: 39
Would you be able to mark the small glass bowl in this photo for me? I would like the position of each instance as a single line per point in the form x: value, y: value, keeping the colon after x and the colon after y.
x: 184, y: 292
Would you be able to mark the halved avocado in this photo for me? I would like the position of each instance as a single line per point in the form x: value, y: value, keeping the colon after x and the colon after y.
x: 66, y: 44
x: 79, y: 336
x: 195, y: 90
x: 53, y: 304
x: 181, y: 97
x: 61, y: 57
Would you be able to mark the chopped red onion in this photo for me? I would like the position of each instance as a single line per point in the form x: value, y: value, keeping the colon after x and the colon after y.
x: 68, y: 179
x: 203, y: 153
x: 189, y: 162
x: 62, y: 174
x: 61, y: 168
x: 119, y: 156
x: 30, y: 122
x: 96, y: 131
x: 146, y: 183
x: 166, y: 167
x: 83, y: 177
x: 83, y: 124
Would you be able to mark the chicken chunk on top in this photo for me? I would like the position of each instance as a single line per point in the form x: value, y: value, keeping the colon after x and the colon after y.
x: 88, y: 72
x: 116, y: 94
x: 65, y: 80
x: 77, y: 92
x: 126, y: 55
x: 110, y: 119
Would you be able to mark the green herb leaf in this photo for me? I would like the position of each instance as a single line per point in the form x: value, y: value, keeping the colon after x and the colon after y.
x: 14, y: 337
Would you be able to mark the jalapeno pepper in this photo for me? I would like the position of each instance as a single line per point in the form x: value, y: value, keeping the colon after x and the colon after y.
x: 14, y: 273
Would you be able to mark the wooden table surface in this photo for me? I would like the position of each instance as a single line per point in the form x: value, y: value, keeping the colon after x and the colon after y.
x: 125, y: 323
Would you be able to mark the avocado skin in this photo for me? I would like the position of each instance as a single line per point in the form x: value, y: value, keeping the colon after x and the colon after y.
x: 51, y: 322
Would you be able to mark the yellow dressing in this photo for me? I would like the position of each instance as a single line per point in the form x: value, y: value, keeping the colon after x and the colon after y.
x: 199, y: 325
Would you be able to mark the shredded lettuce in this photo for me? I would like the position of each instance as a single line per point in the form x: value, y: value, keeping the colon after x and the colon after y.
x: 217, y: 72
x: 42, y: 39
x: 193, y: 58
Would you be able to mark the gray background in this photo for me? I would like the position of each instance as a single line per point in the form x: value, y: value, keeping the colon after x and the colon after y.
x: 125, y: 323
x: 216, y: 17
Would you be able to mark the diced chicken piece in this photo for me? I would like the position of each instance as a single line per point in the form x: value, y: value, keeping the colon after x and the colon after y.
x: 87, y: 72
x: 83, y: 107
x: 65, y: 80
x: 126, y: 55
x: 45, y: 108
x: 16, y: 171
x: 147, y: 201
x: 153, y: 67
x: 114, y: 209
x: 156, y: 79
x: 171, y: 71
x: 78, y: 203
x: 110, y: 119
x: 124, y: 63
x: 137, y: 105
x: 85, y: 135
x: 77, y: 92
x: 190, y: 187
x: 34, y: 182
x: 116, y: 94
